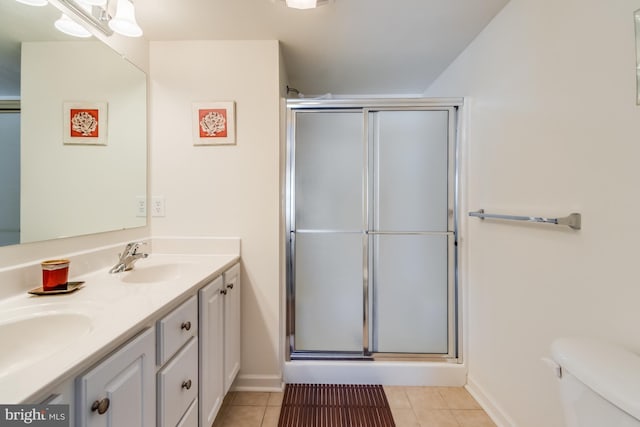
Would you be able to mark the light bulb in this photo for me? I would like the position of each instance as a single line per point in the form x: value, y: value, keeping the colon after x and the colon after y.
x: 125, y: 20
x: 100, y: 3
x: 302, y: 4
x: 34, y: 2
x: 71, y: 27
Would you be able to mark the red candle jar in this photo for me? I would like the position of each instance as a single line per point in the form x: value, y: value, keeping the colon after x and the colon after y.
x: 55, y: 274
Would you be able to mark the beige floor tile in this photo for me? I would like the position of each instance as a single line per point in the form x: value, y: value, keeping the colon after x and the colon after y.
x: 410, y: 406
x: 228, y: 398
x: 425, y: 398
x: 275, y: 399
x: 472, y: 418
x: 243, y: 416
x: 404, y: 417
x: 435, y: 418
x: 271, y: 416
x: 218, y: 421
x: 250, y: 398
x: 458, y: 398
x: 397, y: 397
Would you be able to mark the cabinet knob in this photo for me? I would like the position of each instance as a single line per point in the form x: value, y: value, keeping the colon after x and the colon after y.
x: 186, y: 325
x: 186, y: 384
x: 230, y: 286
x: 100, y: 405
x: 223, y: 291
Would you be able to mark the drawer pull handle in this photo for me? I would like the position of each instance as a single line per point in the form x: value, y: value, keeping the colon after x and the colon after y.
x: 100, y: 405
x: 230, y: 286
x: 186, y: 325
x: 223, y: 291
x: 186, y: 384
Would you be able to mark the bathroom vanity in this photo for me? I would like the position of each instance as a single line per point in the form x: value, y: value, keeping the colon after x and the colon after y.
x: 157, y: 345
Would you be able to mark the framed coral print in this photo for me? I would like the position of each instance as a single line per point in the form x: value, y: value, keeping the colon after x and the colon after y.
x: 214, y: 123
x: 84, y: 123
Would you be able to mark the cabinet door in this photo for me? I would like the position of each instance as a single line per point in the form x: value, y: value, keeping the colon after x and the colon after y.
x: 124, y: 385
x: 190, y: 418
x: 231, y: 325
x: 62, y: 395
x: 211, y: 351
x: 178, y: 385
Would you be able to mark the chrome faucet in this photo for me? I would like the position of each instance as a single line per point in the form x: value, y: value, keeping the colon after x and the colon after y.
x: 128, y: 257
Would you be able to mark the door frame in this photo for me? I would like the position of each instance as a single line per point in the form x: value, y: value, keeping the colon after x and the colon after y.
x: 366, y: 105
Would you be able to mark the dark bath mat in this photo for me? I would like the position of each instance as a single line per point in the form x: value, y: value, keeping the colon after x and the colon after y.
x: 335, y: 405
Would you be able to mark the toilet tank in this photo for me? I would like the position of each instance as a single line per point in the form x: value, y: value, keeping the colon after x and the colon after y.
x: 599, y: 383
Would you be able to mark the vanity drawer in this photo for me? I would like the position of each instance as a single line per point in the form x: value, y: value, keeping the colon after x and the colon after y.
x: 190, y: 419
x: 176, y: 328
x: 178, y: 385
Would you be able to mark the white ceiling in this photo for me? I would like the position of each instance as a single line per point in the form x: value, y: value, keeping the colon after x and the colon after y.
x: 351, y: 47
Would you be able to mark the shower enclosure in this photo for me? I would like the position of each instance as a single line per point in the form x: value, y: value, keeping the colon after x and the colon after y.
x: 371, y: 229
x: 9, y: 173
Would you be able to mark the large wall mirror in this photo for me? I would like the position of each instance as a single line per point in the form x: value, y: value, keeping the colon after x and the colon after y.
x: 636, y: 20
x: 73, y: 144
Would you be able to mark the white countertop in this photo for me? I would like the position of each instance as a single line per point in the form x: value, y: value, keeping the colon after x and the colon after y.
x: 117, y: 310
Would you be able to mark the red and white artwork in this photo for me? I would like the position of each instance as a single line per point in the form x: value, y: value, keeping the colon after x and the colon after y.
x: 214, y: 123
x: 85, y: 123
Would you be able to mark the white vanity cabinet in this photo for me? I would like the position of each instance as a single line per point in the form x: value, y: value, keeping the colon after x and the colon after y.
x: 211, y: 350
x: 62, y: 395
x: 174, y: 373
x: 219, y: 341
x: 231, y: 325
x: 177, y: 379
x: 120, y: 392
x: 176, y: 328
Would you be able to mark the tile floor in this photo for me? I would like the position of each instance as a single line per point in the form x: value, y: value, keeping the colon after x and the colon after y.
x: 411, y: 407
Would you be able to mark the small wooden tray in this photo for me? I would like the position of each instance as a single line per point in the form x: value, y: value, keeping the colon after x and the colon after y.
x: 71, y: 287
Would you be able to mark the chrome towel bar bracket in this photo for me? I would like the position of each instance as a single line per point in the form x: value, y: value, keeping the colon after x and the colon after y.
x: 573, y: 220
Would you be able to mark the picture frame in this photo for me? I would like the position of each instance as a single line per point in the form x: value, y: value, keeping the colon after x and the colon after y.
x: 214, y: 123
x: 84, y: 123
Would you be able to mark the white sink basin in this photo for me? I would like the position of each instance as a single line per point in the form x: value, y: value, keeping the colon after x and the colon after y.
x: 31, y: 334
x: 154, y: 273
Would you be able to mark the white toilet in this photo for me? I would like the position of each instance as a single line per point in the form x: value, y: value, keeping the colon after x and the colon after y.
x: 599, y: 383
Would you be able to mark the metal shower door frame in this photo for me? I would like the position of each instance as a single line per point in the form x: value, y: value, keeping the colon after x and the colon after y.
x: 367, y: 106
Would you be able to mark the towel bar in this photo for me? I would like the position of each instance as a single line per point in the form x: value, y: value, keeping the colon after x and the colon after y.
x: 573, y: 220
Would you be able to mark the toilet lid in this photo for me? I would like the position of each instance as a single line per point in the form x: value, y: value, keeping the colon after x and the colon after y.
x: 608, y: 369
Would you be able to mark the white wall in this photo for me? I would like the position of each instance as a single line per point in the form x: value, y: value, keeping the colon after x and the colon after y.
x: 552, y: 129
x: 225, y: 190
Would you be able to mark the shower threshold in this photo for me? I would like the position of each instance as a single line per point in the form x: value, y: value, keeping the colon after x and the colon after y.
x: 373, y: 357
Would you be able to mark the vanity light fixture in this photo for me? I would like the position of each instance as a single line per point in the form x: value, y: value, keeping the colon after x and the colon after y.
x: 107, y: 16
x: 302, y: 4
x: 305, y: 4
x: 71, y: 27
x: 34, y: 2
x: 101, y: 3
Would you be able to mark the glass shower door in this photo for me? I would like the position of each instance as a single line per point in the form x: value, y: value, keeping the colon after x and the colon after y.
x: 370, y: 217
x: 411, y: 232
x: 327, y: 232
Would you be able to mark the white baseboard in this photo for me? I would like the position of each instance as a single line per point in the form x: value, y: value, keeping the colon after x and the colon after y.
x: 497, y: 414
x: 271, y: 383
x: 378, y: 372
